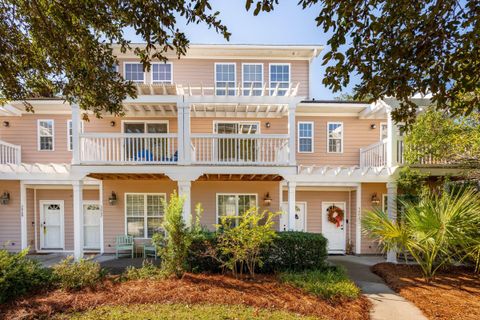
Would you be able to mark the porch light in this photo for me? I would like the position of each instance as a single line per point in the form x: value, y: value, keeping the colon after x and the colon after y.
x: 112, y: 123
x: 5, y: 198
x: 113, y: 199
x: 375, y: 200
x: 267, y: 200
x: 6, y: 124
x: 268, y: 125
x: 373, y: 126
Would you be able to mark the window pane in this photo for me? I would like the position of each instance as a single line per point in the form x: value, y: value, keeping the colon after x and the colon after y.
x: 134, y: 72
x: 227, y: 205
x: 135, y: 227
x: 279, y: 76
x: 135, y: 205
x: 305, y: 144
x: 46, y: 128
x: 225, y: 78
x: 157, y: 128
x: 252, y: 79
x: 154, y: 225
x: 335, y: 133
x: 46, y: 143
x: 162, y: 73
x: 154, y: 205
x: 246, y: 202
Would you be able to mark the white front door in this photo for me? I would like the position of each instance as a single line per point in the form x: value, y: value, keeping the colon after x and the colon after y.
x: 334, y: 234
x: 51, y: 225
x: 92, y: 215
x: 300, y: 217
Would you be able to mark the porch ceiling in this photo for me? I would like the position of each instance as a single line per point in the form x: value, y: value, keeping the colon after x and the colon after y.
x: 150, y: 110
x: 240, y: 177
x: 127, y: 176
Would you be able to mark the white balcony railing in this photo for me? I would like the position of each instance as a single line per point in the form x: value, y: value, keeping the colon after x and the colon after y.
x: 240, y: 149
x: 10, y: 153
x: 375, y: 155
x: 107, y: 148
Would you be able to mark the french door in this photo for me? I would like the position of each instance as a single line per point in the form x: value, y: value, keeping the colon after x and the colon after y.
x: 143, y: 147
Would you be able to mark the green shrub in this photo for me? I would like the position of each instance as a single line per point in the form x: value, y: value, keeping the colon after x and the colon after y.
x: 147, y: 271
x: 295, y: 251
x: 75, y: 275
x: 327, y: 283
x: 20, y: 275
x: 199, y: 257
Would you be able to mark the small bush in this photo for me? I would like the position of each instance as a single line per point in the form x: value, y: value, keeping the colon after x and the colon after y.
x: 147, y: 271
x: 295, y: 251
x: 327, y: 283
x: 20, y: 275
x: 199, y: 259
x: 75, y: 275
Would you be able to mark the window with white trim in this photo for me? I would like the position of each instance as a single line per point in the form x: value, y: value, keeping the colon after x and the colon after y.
x: 225, y: 79
x: 279, y: 78
x: 305, y: 137
x: 252, y: 79
x: 70, y: 133
x: 144, y: 214
x: 383, y: 131
x: 45, y: 132
x: 335, y: 137
x: 134, y: 72
x: 234, y: 205
x: 161, y: 73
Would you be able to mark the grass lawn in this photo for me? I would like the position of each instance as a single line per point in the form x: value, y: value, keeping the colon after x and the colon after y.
x: 182, y: 311
x: 454, y: 294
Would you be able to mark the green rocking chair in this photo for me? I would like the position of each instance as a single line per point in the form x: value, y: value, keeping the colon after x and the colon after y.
x: 124, y: 243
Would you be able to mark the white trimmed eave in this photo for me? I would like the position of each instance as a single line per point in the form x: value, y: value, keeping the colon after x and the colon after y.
x: 37, y: 172
x: 338, y: 174
x: 376, y: 110
x: 43, y: 106
x: 341, y: 109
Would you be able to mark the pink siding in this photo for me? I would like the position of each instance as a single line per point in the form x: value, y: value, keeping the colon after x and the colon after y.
x: 356, y: 134
x: 368, y: 245
x: 10, y: 233
x: 202, y: 71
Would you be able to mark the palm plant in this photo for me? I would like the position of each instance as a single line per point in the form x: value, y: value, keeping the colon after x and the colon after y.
x: 441, y: 228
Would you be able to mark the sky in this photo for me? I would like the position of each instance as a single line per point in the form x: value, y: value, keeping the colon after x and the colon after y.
x: 287, y: 24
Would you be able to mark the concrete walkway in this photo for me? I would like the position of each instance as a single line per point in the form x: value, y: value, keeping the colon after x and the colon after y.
x: 387, y: 305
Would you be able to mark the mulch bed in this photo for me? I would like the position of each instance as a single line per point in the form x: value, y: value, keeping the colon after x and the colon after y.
x: 263, y: 292
x: 454, y: 294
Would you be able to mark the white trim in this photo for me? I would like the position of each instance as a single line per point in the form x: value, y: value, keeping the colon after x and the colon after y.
x: 234, y: 77
x: 305, y: 203
x: 312, y: 137
x: 125, y: 73
x: 157, y: 81
x: 381, y: 131
x: 344, y: 225
x: 41, y: 203
x: 243, y: 77
x: 328, y: 137
x: 145, y: 216
x: 38, y: 134
x: 88, y: 202
x: 70, y: 123
x: 270, y: 74
x: 145, y: 122
x: 236, y: 204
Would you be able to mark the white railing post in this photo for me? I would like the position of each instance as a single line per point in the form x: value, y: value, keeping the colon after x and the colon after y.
x: 186, y: 135
x: 391, y: 141
x: 184, y: 190
x: 392, y: 214
x: 292, y: 134
x: 181, y: 132
x: 75, y: 134
x: 292, y: 189
x: 77, y: 219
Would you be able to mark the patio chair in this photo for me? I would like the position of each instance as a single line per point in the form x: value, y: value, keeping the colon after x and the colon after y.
x: 149, y: 249
x: 124, y: 243
x: 144, y: 155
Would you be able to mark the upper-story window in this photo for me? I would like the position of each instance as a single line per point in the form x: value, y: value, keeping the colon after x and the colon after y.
x: 134, y: 72
x: 162, y: 73
x: 252, y: 79
x: 45, y: 134
x: 225, y: 79
x: 335, y: 137
x: 305, y: 137
x: 383, y: 131
x: 70, y: 133
x: 279, y: 78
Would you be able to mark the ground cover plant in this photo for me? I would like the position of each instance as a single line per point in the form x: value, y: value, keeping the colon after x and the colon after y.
x: 76, y: 275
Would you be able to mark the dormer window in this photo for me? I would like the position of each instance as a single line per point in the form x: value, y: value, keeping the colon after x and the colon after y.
x: 225, y: 79
x: 134, y: 72
x: 162, y: 73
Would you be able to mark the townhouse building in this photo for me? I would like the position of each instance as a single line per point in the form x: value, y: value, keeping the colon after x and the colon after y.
x: 227, y: 126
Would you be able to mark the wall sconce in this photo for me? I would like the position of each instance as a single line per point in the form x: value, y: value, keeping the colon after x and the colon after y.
x: 268, y: 125
x: 375, y: 200
x: 6, y: 124
x: 373, y: 126
x: 112, y: 123
x: 5, y: 198
x: 113, y: 199
x: 267, y: 200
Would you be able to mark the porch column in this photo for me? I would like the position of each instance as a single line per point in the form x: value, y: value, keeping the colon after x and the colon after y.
x: 77, y: 219
x: 392, y: 214
x: 358, y: 220
x: 184, y: 190
x: 76, y: 125
x: 186, y: 134
x: 292, y: 134
x: 23, y: 216
x: 391, y: 141
x: 291, y: 204
x: 180, y: 133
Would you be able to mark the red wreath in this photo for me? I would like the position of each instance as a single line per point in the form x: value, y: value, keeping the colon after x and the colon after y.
x: 335, y: 215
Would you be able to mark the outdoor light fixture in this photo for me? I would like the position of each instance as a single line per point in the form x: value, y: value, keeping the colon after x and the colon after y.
x: 6, y: 124
x: 373, y: 126
x: 5, y: 198
x: 375, y: 200
x: 267, y: 200
x: 112, y: 123
x: 268, y: 125
x: 113, y: 199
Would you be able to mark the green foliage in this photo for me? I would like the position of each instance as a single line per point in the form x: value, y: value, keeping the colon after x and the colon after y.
x: 440, y: 229
x: 327, y: 283
x: 20, y: 275
x: 295, y: 251
x: 241, y: 245
x: 75, y: 275
x: 180, y: 311
x: 436, y: 136
x: 202, y: 256
x: 147, y: 271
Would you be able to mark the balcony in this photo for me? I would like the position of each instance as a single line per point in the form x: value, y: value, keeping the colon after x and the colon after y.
x: 205, y: 149
x: 10, y: 153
